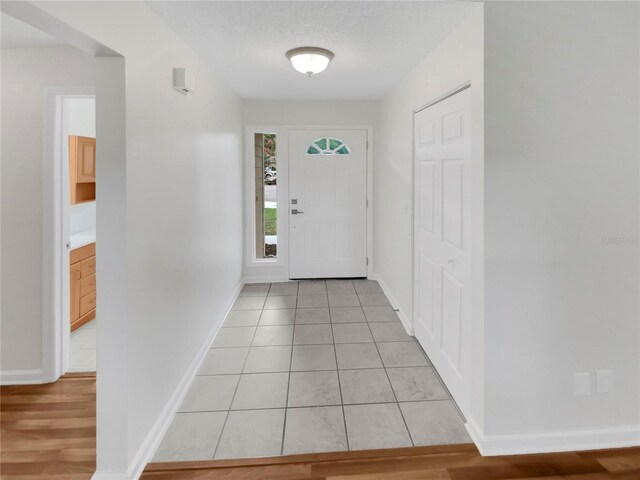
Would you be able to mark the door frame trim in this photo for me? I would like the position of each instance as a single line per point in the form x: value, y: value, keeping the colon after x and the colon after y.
x: 439, y: 99
x: 55, y: 233
x: 278, y: 270
x: 249, y: 206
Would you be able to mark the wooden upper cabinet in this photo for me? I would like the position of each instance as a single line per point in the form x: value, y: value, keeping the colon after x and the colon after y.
x: 82, y: 169
x: 86, y: 160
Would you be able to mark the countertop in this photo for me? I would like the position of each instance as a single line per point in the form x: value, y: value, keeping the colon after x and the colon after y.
x: 80, y: 239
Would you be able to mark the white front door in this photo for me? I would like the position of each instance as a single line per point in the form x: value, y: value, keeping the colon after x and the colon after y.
x: 327, y: 203
x: 442, y: 322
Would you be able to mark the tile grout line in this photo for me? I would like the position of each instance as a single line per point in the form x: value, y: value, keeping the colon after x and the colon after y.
x: 226, y: 418
x: 286, y: 400
x: 335, y: 353
x: 320, y: 369
x: 309, y: 344
x: 315, y: 406
x: 390, y: 384
x: 442, y: 384
x: 310, y: 323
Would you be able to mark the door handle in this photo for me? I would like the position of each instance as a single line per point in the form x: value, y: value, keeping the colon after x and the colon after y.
x: 296, y: 212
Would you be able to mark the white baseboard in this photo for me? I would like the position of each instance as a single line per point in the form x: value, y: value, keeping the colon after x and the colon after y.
x: 266, y: 279
x: 150, y: 444
x: 549, y: 442
x: 406, y: 321
x: 21, y: 377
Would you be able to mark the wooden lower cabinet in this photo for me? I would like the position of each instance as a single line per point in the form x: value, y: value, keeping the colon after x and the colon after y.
x: 83, y: 285
x: 75, y: 292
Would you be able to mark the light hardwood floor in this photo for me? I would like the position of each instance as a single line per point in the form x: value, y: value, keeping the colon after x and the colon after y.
x: 452, y: 462
x: 48, y: 432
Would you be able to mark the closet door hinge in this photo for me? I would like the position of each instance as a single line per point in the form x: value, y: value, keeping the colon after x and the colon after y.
x: 367, y: 260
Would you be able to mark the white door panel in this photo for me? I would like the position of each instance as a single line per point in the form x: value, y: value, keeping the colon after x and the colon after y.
x: 451, y: 317
x: 328, y: 233
x: 452, y: 201
x: 442, y: 322
x: 427, y: 196
x: 426, y: 281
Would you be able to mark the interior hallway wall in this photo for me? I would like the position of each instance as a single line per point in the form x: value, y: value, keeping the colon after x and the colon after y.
x: 26, y: 72
x: 176, y: 243
x: 562, y: 217
x: 321, y: 112
x: 456, y: 61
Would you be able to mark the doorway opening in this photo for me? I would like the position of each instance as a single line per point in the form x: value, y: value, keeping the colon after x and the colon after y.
x: 79, y: 211
x: 70, y: 229
x: 308, y: 203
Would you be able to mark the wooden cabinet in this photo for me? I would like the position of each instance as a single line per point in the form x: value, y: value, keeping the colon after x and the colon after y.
x: 83, y: 285
x: 88, y: 304
x: 82, y: 169
x: 75, y: 292
x: 87, y: 284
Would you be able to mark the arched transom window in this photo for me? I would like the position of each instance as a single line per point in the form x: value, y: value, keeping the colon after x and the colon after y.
x: 328, y: 146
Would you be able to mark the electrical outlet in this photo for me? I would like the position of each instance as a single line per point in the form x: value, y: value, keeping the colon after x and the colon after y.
x: 604, y: 381
x: 582, y: 383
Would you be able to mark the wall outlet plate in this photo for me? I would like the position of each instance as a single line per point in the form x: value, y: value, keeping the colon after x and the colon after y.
x: 604, y: 381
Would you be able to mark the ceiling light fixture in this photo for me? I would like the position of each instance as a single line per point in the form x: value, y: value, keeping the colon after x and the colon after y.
x: 309, y: 60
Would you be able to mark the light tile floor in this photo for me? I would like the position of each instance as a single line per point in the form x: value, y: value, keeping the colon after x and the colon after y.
x: 82, y: 351
x: 311, y: 366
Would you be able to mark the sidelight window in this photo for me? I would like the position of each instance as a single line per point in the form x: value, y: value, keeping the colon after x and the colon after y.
x: 266, y: 207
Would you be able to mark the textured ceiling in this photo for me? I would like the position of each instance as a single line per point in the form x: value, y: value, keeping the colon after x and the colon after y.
x: 375, y: 42
x: 16, y: 34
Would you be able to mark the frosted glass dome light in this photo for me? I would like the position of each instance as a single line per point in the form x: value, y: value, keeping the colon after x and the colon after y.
x: 309, y: 60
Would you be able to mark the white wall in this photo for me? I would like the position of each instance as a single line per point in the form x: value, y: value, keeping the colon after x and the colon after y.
x: 180, y: 252
x: 325, y: 113
x: 283, y: 114
x: 561, y: 176
x: 81, y: 116
x: 82, y: 217
x: 456, y: 61
x: 562, y: 172
x: 25, y: 74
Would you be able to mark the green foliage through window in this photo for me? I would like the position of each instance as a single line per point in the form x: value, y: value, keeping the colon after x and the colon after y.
x: 270, y: 221
x: 328, y: 146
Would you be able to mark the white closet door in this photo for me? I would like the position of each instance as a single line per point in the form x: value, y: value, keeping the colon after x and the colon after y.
x: 442, y: 221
